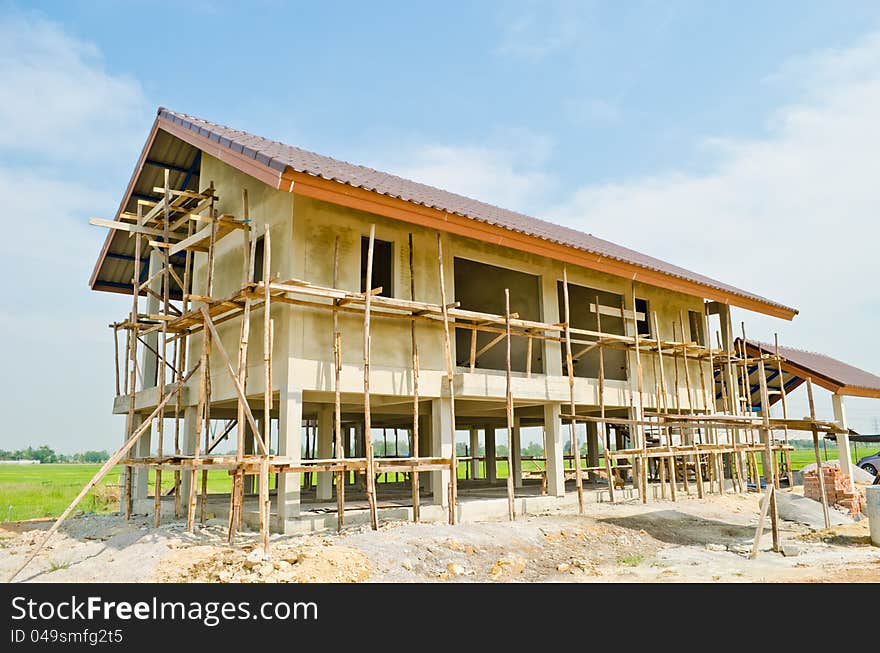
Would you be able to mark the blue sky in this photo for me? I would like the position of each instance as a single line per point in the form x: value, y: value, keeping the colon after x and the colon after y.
x: 737, y: 139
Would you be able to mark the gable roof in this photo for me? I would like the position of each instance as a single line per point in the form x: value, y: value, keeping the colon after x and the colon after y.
x: 827, y: 372
x: 299, y: 171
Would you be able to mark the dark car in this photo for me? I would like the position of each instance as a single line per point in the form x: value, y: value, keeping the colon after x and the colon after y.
x: 870, y: 463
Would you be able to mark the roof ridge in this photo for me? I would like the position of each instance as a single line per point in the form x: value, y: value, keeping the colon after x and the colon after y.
x: 392, y: 185
x: 790, y: 348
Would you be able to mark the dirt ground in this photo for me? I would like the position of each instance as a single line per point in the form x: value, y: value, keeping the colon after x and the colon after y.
x: 692, y: 540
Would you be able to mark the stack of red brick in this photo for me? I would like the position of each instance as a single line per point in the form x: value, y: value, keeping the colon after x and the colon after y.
x: 838, y: 488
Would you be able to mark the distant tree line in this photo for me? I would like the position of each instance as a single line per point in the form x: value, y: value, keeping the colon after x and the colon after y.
x: 46, y: 454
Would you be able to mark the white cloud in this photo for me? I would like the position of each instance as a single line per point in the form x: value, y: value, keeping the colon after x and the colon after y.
x: 588, y: 111
x: 540, y: 30
x: 792, y: 215
x: 56, y: 97
x: 61, y: 111
x: 506, y: 170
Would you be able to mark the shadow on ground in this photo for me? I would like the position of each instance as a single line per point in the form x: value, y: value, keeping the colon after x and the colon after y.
x: 674, y: 527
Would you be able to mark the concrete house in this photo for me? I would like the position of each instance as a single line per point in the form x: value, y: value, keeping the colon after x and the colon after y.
x: 641, y: 335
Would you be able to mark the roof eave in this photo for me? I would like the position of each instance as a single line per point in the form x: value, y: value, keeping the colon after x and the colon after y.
x: 344, y: 194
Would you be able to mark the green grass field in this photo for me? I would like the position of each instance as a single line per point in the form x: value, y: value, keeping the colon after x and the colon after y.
x: 35, y: 491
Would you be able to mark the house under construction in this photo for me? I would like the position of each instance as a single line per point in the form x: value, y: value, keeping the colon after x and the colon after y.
x: 322, y: 331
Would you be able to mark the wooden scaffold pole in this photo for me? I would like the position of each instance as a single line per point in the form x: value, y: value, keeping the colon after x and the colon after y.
x: 414, y: 453
x: 265, y: 503
x: 163, y: 352
x: 102, y: 472
x: 819, y: 471
x: 643, y: 440
x: 180, y: 363
x: 450, y: 384
x: 337, y: 399
x: 511, y: 508
x: 784, y: 407
x: 132, y: 353
x: 368, y: 436
x: 575, y: 446
x: 603, y: 433
x: 669, y: 461
x: 769, y: 501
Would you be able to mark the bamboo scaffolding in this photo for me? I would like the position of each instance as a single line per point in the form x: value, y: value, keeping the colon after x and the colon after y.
x: 130, y: 427
x: 769, y: 500
x: 414, y: 452
x: 511, y: 508
x: 102, y: 472
x: 368, y: 439
x: 450, y: 385
x: 575, y: 446
x: 819, y: 472
x: 699, y: 429
x: 337, y: 394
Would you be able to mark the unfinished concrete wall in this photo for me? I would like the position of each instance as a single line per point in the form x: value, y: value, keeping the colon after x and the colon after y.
x: 304, y: 232
x: 480, y: 287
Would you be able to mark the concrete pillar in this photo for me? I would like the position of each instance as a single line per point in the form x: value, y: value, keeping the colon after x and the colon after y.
x: 141, y: 475
x: 515, y: 441
x: 360, y: 451
x: 592, y: 447
x: 188, y: 446
x: 474, y: 446
x: 843, y: 452
x: 553, y: 450
x: 550, y: 314
x: 325, y: 450
x: 441, y: 445
x: 250, y: 442
x: 150, y: 359
x: 425, y: 451
x: 289, y: 445
x: 491, y: 460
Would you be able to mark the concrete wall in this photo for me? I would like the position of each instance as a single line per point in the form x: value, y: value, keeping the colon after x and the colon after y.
x: 303, y: 236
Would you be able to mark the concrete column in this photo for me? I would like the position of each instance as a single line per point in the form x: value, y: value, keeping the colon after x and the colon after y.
x: 592, y: 447
x: 475, y: 451
x: 290, y: 445
x: 550, y: 314
x: 425, y: 451
x: 141, y: 475
x: 515, y: 441
x: 553, y: 450
x: 843, y: 452
x: 250, y: 480
x: 150, y: 359
x: 441, y: 445
x: 360, y: 451
x: 188, y: 446
x: 325, y: 450
x: 491, y: 460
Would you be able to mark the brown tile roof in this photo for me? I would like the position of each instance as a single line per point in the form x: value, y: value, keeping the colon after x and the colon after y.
x: 280, y: 157
x: 842, y: 374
